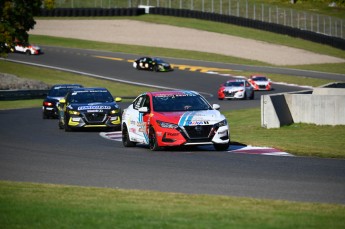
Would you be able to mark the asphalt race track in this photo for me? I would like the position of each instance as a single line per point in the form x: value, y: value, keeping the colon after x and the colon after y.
x: 35, y: 150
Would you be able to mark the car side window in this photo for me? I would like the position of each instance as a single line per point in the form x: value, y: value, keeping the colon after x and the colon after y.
x: 147, y: 102
x: 139, y: 102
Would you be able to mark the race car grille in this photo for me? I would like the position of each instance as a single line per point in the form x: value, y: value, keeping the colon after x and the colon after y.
x: 262, y: 86
x: 200, y: 131
x: 94, y: 118
x: 230, y: 94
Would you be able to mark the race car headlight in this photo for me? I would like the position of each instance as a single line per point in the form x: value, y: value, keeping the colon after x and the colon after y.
x: 222, y: 123
x: 114, y: 111
x: 74, y: 112
x: 167, y: 125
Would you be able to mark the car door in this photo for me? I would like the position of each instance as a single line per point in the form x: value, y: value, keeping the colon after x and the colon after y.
x: 138, y: 121
x: 249, y: 89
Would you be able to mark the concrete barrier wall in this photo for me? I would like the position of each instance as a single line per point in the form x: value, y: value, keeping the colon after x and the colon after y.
x: 318, y: 108
x: 275, y: 111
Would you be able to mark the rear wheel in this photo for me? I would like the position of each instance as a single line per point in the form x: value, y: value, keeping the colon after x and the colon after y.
x: 125, y: 138
x: 153, y: 140
x: 28, y: 52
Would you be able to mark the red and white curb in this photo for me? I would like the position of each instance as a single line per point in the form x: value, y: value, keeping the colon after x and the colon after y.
x: 117, y: 136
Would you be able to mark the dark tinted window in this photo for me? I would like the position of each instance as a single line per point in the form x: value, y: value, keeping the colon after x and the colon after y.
x: 180, y: 103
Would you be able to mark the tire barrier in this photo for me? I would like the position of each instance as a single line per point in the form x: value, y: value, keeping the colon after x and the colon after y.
x: 245, y: 22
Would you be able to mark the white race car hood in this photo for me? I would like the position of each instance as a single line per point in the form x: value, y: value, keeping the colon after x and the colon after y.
x: 231, y: 89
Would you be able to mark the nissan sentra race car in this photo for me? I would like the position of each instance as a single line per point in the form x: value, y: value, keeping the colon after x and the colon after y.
x: 27, y: 48
x: 152, y: 64
x: 174, y: 118
x: 236, y: 89
x: 260, y: 82
x: 50, y: 103
x: 89, y: 107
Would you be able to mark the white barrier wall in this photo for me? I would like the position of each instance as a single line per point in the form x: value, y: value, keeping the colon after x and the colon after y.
x: 318, y: 109
x: 322, y: 106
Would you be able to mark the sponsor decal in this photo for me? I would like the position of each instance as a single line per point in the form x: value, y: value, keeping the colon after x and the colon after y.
x: 172, y: 134
x: 94, y: 111
x: 194, y: 123
x: 93, y: 108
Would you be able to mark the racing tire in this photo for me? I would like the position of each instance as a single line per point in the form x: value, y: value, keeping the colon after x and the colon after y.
x: 251, y: 96
x: 125, y: 138
x: 153, y: 144
x: 66, y: 126
x: 221, y: 147
x: 61, y: 126
x: 244, y: 96
x: 155, y: 68
x: 28, y: 52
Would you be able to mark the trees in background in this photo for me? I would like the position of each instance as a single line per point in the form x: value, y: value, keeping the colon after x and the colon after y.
x: 16, y: 19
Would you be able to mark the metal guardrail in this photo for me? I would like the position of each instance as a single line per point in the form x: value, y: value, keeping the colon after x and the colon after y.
x: 313, y: 22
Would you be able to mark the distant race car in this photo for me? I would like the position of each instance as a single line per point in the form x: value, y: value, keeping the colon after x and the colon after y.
x: 152, y: 64
x: 236, y: 89
x: 174, y: 118
x: 27, y: 48
x: 56, y: 92
x: 88, y: 108
x: 260, y: 82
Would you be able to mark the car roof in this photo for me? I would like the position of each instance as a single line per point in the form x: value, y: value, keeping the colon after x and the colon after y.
x: 236, y: 80
x: 67, y: 85
x: 90, y: 89
x: 257, y: 76
x: 173, y: 92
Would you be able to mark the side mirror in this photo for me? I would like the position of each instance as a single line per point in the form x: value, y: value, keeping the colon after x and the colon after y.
x: 118, y: 99
x: 143, y: 109
x: 216, y: 106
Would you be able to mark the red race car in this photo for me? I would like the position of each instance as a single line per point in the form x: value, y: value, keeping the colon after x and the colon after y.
x: 174, y: 118
x: 260, y: 82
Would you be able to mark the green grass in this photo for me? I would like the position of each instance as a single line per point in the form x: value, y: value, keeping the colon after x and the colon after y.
x: 298, y: 139
x: 30, y: 205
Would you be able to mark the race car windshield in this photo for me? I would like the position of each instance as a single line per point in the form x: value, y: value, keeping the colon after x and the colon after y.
x: 91, y: 97
x: 58, y: 92
x: 159, y: 61
x: 260, y: 79
x: 234, y: 84
x: 173, y: 103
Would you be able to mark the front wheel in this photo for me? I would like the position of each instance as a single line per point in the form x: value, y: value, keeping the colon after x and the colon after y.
x: 125, y: 138
x: 66, y: 126
x: 153, y: 144
x: 251, y: 96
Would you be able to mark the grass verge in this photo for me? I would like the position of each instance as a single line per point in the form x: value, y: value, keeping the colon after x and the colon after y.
x: 30, y: 205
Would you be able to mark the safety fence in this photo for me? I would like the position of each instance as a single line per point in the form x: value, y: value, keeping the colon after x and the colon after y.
x: 251, y: 23
x: 302, y: 20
